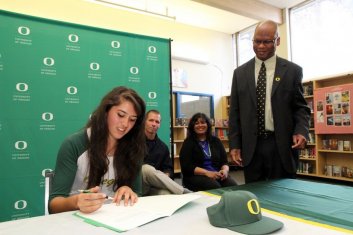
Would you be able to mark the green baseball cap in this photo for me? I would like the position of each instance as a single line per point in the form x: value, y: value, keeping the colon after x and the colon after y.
x: 240, y: 211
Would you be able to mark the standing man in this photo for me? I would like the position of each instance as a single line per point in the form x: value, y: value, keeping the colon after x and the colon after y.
x: 157, y: 169
x: 269, y: 117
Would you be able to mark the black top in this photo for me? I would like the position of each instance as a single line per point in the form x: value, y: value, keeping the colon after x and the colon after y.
x: 192, y: 156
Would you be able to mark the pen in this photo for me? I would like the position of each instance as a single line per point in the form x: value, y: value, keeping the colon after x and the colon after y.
x: 84, y: 191
x: 88, y: 191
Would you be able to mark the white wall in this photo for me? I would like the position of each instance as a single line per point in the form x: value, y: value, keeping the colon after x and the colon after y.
x: 190, y: 42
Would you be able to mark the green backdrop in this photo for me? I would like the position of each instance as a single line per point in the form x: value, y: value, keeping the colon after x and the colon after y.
x: 52, y: 76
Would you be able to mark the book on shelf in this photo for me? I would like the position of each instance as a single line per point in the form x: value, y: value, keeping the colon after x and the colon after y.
x: 307, y: 153
x: 346, y: 145
x: 181, y: 121
x: 307, y: 89
x: 311, y: 138
x: 347, y: 172
x: 305, y: 167
x: 122, y: 218
x: 310, y: 105
x: 340, y: 145
x: 328, y: 170
x: 221, y: 133
x: 311, y: 122
x: 338, y: 171
x: 221, y: 123
x: 335, y: 144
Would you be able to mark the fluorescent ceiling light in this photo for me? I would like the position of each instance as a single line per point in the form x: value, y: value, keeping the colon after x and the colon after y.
x: 135, y: 6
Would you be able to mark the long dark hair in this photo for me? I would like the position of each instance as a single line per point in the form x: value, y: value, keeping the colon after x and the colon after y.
x: 193, y: 120
x: 130, y: 151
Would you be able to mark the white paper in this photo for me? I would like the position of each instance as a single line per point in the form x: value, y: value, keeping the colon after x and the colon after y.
x: 147, y: 209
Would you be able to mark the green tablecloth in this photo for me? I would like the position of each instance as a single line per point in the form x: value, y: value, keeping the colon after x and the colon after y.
x: 319, y: 202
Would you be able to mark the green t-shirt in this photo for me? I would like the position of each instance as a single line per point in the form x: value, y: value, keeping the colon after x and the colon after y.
x: 72, y: 169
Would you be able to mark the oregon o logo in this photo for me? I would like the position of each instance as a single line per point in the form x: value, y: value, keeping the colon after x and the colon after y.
x: 23, y: 30
x: 47, y: 116
x: 94, y: 66
x: 20, y: 205
x: 21, y: 145
x: 22, y: 87
x: 73, y: 38
x: 71, y: 90
x: 152, y: 49
x: 134, y: 70
x: 152, y: 95
x: 45, y: 170
x: 48, y: 61
x: 251, y: 203
x: 115, y: 44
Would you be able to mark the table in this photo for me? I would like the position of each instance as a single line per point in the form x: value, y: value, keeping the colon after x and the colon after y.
x: 190, y: 219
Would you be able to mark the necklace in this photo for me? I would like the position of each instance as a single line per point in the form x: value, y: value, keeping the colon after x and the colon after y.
x: 205, y: 148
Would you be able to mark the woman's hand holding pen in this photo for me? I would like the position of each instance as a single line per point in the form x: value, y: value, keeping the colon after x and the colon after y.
x: 90, y: 200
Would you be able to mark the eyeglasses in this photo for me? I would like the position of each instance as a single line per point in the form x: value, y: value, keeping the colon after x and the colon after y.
x: 265, y: 42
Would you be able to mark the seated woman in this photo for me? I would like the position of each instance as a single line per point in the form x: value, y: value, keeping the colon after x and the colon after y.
x: 203, y: 159
x: 103, y: 159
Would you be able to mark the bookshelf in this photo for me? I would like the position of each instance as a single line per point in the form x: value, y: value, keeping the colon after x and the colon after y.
x: 307, y: 156
x: 332, y: 129
x: 179, y: 134
x: 225, y: 106
x: 221, y: 126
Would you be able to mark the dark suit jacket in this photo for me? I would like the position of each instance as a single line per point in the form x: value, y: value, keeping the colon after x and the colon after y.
x: 290, y: 111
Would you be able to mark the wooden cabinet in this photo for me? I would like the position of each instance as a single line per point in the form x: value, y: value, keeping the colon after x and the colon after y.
x: 179, y: 134
x: 332, y: 155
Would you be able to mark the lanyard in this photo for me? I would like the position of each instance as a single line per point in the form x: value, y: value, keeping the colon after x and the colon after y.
x: 205, y: 148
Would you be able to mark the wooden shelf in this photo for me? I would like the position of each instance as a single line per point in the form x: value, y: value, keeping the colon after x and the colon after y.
x: 334, y: 151
x: 307, y: 158
x: 326, y: 163
x: 336, y: 178
x: 179, y: 135
x: 306, y: 174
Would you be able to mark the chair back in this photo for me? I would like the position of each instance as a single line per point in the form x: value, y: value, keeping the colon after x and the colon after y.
x: 48, y: 182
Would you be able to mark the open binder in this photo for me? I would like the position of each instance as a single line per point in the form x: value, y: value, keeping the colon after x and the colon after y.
x: 122, y: 218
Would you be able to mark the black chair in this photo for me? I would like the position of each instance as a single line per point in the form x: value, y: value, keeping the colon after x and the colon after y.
x: 49, y: 174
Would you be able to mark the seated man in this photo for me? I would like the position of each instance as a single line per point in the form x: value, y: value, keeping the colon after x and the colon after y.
x: 157, y: 169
